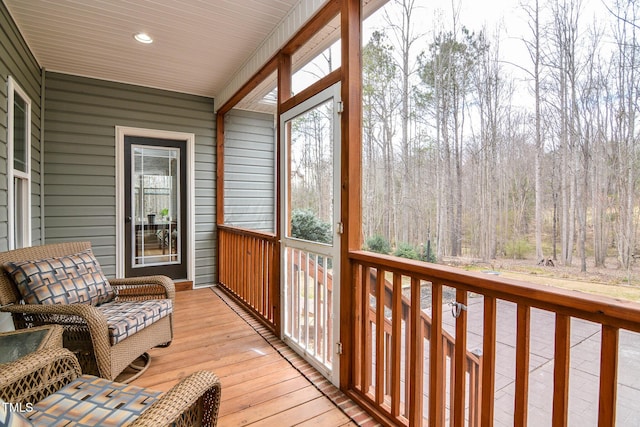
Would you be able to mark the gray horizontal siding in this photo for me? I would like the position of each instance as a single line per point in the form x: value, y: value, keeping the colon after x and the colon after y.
x: 81, y: 116
x: 17, y: 61
x: 249, y: 166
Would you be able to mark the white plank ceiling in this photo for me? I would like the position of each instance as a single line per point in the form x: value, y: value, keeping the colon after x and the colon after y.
x: 198, y: 44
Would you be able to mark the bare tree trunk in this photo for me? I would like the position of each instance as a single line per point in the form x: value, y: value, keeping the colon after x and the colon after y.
x: 539, y: 145
x: 627, y: 90
x: 407, y: 40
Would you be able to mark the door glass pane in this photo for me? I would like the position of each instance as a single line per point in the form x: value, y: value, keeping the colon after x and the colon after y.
x: 20, y: 127
x: 310, y: 138
x: 155, y: 205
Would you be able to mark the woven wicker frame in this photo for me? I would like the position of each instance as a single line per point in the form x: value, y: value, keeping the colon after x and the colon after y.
x: 194, y: 401
x: 85, y: 328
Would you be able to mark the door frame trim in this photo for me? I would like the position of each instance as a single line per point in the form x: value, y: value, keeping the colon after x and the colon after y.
x: 190, y: 138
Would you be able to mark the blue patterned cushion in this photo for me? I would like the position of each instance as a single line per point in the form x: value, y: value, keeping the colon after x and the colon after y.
x: 68, y: 279
x: 92, y: 401
x: 125, y: 318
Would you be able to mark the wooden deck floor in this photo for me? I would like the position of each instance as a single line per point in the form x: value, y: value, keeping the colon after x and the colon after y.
x: 264, y: 383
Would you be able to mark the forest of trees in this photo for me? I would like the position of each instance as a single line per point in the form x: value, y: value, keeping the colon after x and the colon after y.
x: 481, y: 153
x: 485, y: 142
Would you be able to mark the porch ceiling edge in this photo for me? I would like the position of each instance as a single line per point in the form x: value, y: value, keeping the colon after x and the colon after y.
x: 295, y: 19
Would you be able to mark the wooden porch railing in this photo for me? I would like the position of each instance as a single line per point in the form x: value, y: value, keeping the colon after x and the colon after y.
x: 473, y: 361
x: 402, y: 388
x: 248, y: 265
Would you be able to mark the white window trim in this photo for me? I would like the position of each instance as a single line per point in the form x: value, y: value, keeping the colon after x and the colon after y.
x: 14, y: 88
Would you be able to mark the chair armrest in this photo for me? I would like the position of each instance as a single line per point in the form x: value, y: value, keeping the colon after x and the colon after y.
x: 37, y: 375
x: 143, y: 288
x: 73, y: 315
x: 199, y: 393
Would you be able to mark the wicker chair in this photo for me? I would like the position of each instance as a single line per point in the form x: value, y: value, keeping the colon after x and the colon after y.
x: 44, y: 384
x: 86, y: 329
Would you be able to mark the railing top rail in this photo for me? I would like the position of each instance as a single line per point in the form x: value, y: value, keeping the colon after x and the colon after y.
x: 600, y: 309
x: 246, y: 232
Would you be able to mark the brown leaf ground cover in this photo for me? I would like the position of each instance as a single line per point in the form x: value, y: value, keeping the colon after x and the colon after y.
x: 609, y: 280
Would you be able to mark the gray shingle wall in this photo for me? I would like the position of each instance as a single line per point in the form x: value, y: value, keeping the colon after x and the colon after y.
x: 80, y: 171
x: 249, y: 179
x: 17, y: 61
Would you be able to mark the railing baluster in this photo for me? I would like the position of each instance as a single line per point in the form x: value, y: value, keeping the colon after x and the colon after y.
x: 449, y: 354
x: 523, y: 334
x: 242, y: 279
x: 250, y: 273
x: 231, y: 252
x: 326, y: 314
x: 380, y: 282
x: 288, y: 270
x: 233, y: 264
x: 406, y: 316
x: 387, y: 362
x: 246, y: 279
x: 275, y: 287
x: 305, y: 301
x: 255, y: 274
x: 396, y: 344
x: 416, y: 356
x: 436, y: 360
x: 366, y: 331
x: 460, y: 355
x: 238, y: 269
x: 222, y: 257
x: 317, y: 315
x: 264, y: 278
x: 475, y: 398
x: 488, y: 364
x: 608, y: 376
x: 358, y: 346
x: 561, y: 370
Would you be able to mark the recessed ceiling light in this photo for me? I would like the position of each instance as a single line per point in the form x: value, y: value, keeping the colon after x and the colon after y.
x: 143, y: 38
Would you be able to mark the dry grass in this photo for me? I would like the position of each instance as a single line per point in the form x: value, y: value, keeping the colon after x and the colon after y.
x: 609, y: 281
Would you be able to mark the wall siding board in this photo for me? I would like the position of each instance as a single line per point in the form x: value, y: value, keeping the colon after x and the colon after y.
x: 80, y: 141
x: 68, y: 180
x: 81, y: 116
x: 78, y: 170
x: 236, y: 185
x: 107, y: 91
x: 18, y: 62
x: 249, y: 180
x: 66, y: 214
x: 87, y: 190
x: 240, y: 164
x: 79, y: 220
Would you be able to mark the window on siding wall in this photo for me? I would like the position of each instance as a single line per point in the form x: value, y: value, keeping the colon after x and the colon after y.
x: 19, y: 170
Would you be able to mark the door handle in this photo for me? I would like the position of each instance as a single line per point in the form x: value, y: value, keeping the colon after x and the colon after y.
x: 128, y: 219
